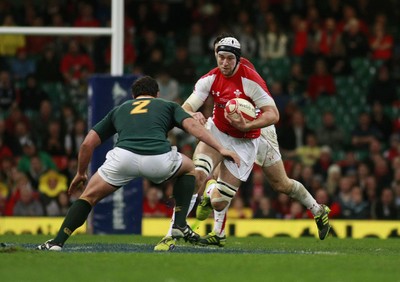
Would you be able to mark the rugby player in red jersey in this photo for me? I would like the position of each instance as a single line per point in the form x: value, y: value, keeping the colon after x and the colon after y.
x: 237, y: 75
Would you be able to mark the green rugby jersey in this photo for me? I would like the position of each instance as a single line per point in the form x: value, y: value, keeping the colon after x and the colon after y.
x: 142, y: 125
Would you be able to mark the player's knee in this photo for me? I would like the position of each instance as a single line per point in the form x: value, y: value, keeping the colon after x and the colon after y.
x: 223, y: 195
x: 218, y: 201
x: 204, y: 167
x: 204, y: 163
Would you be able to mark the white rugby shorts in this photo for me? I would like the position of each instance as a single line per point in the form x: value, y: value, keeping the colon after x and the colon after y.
x: 121, y: 166
x: 244, y: 147
x: 268, y: 151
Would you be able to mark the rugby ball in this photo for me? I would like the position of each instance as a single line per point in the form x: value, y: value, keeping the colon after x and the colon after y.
x: 246, y: 108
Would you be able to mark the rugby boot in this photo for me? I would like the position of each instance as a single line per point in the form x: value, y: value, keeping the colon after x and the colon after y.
x: 204, y: 208
x: 211, y: 239
x: 166, y: 244
x: 322, y: 222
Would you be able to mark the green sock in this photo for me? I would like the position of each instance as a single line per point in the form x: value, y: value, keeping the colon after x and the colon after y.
x: 183, y: 192
x: 76, y: 217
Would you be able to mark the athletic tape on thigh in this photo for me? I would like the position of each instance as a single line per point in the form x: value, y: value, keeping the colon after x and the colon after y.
x: 227, y: 192
x: 204, y: 163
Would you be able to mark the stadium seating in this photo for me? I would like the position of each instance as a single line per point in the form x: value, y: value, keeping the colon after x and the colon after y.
x: 364, y: 70
x: 185, y: 89
x: 273, y: 69
x: 61, y: 162
x: 204, y: 66
x: 280, y: 68
x: 56, y: 93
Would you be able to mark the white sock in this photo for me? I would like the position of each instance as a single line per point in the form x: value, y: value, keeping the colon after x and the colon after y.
x: 191, y: 205
x: 169, y: 233
x: 219, y: 221
x: 300, y: 193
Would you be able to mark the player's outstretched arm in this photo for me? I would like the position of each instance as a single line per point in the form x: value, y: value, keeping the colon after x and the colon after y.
x: 196, y: 115
x: 77, y: 183
x: 194, y: 127
x: 92, y: 140
x: 192, y: 104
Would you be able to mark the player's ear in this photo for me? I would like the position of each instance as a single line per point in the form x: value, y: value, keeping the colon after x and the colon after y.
x: 158, y: 94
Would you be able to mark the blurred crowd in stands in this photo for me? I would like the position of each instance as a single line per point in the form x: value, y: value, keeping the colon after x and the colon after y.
x: 333, y: 68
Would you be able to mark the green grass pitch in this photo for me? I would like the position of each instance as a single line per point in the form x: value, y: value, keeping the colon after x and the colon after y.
x: 131, y: 258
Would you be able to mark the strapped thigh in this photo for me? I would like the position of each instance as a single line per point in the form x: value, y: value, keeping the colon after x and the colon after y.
x: 204, y: 163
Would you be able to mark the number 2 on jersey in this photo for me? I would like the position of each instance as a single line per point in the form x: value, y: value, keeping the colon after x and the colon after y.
x: 139, y: 107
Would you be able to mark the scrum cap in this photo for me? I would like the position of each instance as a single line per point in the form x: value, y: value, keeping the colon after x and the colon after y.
x: 229, y: 44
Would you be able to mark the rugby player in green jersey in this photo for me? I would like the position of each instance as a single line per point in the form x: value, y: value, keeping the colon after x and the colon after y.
x: 141, y: 150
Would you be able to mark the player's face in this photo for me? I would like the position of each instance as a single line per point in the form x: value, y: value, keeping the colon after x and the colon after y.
x: 226, y: 63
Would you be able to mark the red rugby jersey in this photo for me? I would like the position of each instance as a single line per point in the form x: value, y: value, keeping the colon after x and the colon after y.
x: 246, y: 83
